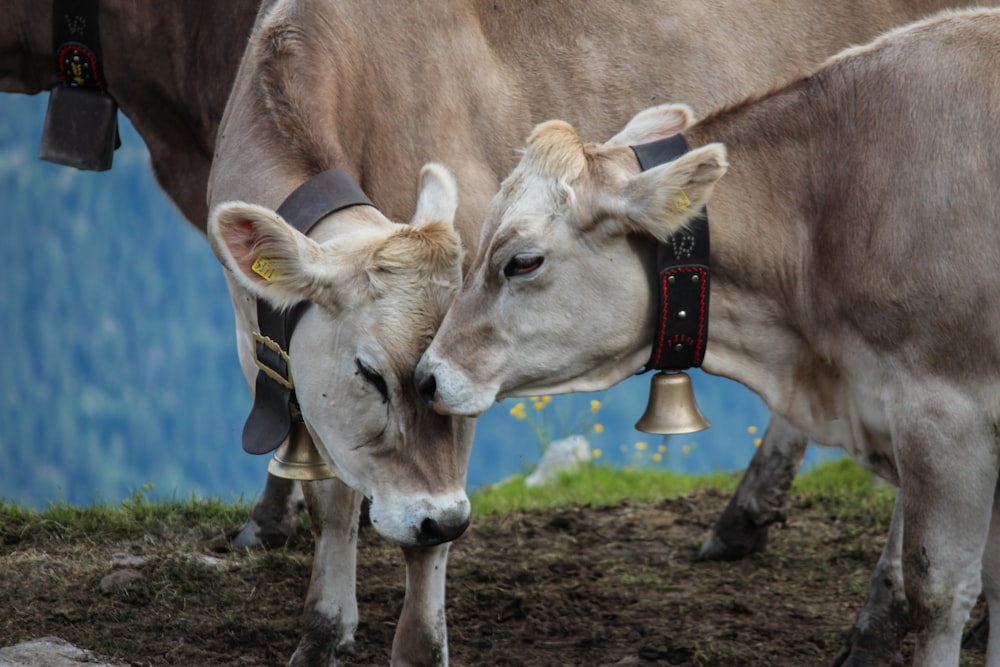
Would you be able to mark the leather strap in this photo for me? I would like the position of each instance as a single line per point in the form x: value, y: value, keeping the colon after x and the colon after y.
x: 76, y: 37
x: 274, y: 409
x: 683, y: 278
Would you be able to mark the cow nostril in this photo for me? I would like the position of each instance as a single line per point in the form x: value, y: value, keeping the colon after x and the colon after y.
x: 427, y: 386
x: 433, y: 532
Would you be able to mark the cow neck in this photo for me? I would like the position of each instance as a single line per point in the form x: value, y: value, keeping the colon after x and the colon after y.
x: 274, y: 406
x: 81, y: 121
x: 682, y: 278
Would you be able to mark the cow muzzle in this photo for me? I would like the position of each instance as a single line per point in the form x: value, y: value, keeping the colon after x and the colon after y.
x: 425, y: 521
x: 449, y: 391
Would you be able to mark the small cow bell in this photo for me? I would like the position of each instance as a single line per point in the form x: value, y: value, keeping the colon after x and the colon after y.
x: 672, y: 408
x: 297, y: 458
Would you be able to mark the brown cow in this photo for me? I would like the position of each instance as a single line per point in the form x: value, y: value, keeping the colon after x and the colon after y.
x: 336, y: 84
x: 174, y: 93
x: 853, y: 266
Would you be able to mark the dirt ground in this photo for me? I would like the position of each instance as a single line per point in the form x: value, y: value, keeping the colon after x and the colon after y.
x: 608, y: 585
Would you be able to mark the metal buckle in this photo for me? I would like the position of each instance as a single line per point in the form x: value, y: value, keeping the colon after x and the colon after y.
x: 270, y: 344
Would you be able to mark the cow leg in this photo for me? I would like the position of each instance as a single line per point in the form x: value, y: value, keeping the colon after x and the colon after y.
x: 275, y: 516
x: 991, y: 587
x: 881, y: 626
x: 331, y: 609
x: 422, y: 636
x: 760, y: 498
x: 948, y: 471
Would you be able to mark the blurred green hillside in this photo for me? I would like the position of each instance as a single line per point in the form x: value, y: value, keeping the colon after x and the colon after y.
x: 119, y: 366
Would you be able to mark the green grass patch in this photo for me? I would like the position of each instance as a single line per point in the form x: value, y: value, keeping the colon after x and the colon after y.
x: 134, y: 516
x: 594, y: 485
x: 847, y: 489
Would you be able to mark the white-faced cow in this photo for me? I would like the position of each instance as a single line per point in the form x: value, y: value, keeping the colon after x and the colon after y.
x: 854, y: 246
x: 378, y: 93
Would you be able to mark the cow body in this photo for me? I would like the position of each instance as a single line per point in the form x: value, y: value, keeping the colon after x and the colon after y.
x: 337, y: 84
x: 854, y: 245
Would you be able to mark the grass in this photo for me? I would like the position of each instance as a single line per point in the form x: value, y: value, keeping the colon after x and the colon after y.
x: 840, y: 485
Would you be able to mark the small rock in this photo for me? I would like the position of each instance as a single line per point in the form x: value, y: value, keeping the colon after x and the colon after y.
x: 119, y: 579
x: 562, y: 456
x: 53, y: 652
x: 127, y: 560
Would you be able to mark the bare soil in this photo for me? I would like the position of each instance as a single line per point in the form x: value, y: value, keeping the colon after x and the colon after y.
x: 607, y: 585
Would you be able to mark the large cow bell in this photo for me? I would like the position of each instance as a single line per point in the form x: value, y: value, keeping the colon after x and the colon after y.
x: 671, y: 407
x: 80, y: 129
x: 297, y: 458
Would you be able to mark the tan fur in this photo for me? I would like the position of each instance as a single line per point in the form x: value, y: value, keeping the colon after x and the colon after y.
x: 854, y: 274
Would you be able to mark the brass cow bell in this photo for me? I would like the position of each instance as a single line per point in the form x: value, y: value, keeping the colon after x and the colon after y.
x: 672, y: 408
x: 297, y: 458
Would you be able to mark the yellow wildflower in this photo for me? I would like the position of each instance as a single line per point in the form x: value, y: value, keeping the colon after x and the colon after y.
x: 596, y: 453
x: 751, y: 429
x: 538, y: 405
x: 641, y: 446
x: 518, y: 411
x: 546, y: 399
x: 598, y: 428
x: 657, y: 457
x: 661, y: 449
x: 595, y: 406
x: 756, y: 442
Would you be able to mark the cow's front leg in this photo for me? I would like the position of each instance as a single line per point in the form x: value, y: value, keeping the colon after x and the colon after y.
x: 947, y: 462
x: 331, y: 610
x: 761, y: 497
x: 275, y: 517
x: 422, y: 636
x: 878, y: 633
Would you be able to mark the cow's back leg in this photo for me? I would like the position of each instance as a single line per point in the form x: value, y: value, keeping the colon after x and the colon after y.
x: 991, y: 586
x: 761, y: 496
x: 331, y: 609
x: 878, y: 633
x: 421, y: 636
x: 275, y: 517
x: 946, y: 455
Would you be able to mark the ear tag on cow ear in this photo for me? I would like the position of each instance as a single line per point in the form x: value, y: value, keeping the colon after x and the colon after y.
x: 680, y: 203
x: 263, y: 268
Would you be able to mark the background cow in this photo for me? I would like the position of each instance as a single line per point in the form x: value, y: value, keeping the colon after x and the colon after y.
x: 854, y: 245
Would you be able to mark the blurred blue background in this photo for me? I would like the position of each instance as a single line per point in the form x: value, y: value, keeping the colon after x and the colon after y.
x: 118, y: 369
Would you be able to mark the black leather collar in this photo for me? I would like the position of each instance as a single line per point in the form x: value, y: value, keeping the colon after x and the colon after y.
x: 274, y: 407
x: 81, y: 122
x: 683, y: 278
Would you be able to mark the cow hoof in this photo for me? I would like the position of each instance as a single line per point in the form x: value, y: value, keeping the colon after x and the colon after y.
x: 735, y: 535
x: 856, y: 654
x: 253, y: 536
x: 324, y: 641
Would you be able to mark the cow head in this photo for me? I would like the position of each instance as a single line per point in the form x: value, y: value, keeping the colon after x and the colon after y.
x: 558, y: 297
x: 379, y: 290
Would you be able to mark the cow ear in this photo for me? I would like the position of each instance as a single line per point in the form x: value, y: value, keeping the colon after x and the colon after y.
x: 661, y: 200
x: 654, y: 123
x: 266, y: 255
x: 438, y: 198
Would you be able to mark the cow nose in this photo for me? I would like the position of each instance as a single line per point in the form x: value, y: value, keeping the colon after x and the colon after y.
x: 427, y: 386
x: 434, y: 532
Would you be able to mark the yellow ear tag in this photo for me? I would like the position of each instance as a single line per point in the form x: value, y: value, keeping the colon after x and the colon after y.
x: 263, y: 268
x: 680, y: 203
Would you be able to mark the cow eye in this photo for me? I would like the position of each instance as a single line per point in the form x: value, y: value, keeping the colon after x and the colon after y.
x: 373, y: 378
x: 522, y: 265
